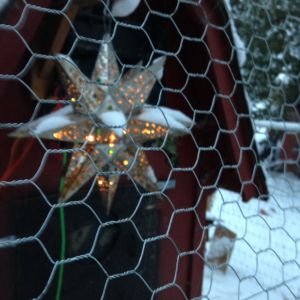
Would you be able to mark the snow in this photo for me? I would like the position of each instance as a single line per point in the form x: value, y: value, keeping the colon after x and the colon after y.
x: 239, y: 44
x: 114, y: 119
x: 283, y: 78
x: 151, y: 174
x: 278, y: 125
x: 220, y: 247
x: 53, y: 121
x: 265, y: 262
x: 157, y: 67
x: 123, y: 8
x: 63, y: 111
x: 177, y: 115
x: 174, y: 120
x: 259, y: 106
x: 261, y: 135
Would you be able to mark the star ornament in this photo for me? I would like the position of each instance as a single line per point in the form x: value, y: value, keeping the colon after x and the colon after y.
x: 108, y: 122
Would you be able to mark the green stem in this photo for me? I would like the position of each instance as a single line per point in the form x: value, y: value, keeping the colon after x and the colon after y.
x: 62, y: 253
x: 62, y: 237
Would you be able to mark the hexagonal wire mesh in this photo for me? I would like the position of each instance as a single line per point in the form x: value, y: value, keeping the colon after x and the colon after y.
x: 193, y: 194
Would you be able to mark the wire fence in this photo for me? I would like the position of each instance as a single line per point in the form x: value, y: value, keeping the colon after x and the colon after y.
x: 149, y: 150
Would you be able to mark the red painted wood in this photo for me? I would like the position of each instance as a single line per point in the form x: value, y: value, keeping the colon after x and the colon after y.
x: 194, y: 184
x: 231, y: 101
x: 290, y: 151
x: 13, y: 96
x: 212, y: 59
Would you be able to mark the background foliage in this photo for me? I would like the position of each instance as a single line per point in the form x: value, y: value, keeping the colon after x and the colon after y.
x: 270, y: 33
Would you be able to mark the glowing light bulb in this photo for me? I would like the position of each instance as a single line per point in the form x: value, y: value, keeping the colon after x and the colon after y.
x: 100, y: 182
x: 111, y: 183
x: 90, y: 138
x: 110, y: 152
x: 125, y: 162
x: 73, y: 99
x: 112, y: 138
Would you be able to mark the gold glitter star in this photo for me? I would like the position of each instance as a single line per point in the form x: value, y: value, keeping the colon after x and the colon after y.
x: 109, y: 120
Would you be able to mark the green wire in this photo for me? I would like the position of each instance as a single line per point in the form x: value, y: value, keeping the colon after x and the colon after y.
x: 63, y: 237
x: 65, y: 157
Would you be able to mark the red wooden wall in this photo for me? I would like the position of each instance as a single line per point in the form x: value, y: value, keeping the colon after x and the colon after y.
x: 201, y: 156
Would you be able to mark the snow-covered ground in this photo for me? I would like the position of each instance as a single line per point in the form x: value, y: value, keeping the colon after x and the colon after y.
x: 265, y: 262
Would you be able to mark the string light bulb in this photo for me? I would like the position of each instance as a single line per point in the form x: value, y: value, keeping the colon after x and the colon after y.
x: 90, y: 138
x: 112, y: 139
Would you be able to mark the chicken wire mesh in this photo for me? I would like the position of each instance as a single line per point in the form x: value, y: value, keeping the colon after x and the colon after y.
x: 149, y: 150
